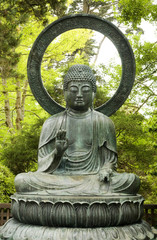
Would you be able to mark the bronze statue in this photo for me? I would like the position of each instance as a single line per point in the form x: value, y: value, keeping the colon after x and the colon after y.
x: 76, y: 192
x: 77, y: 149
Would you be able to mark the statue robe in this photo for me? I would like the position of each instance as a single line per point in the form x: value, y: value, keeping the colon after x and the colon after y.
x: 103, y: 134
x: 77, y: 174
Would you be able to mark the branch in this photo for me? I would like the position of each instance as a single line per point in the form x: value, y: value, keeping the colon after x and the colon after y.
x: 100, y: 44
x: 149, y: 89
x: 148, y: 66
x: 119, y: 133
x: 146, y: 76
x: 142, y: 104
x: 33, y: 113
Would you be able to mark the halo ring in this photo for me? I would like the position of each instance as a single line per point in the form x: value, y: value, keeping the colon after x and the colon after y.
x: 73, y: 22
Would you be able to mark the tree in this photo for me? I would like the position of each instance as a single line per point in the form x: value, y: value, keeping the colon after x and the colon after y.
x: 14, y: 14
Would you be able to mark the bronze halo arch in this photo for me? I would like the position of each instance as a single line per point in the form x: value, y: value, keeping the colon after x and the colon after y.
x: 73, y: 22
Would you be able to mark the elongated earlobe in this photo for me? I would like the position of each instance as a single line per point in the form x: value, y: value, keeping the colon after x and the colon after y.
x: 65, y: 95
x: 93, y: 96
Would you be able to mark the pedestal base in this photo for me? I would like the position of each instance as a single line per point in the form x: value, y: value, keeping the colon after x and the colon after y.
x: 14, y: 230
x: 77, y: 211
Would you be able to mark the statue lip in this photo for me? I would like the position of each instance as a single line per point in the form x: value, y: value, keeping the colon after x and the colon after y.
x: 79, y: 101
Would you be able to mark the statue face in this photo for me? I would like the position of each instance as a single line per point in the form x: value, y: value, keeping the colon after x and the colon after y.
x: 79, y: 95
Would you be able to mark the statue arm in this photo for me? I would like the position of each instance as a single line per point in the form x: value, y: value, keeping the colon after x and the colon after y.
x: 50, y: 154
x: 108, y: 152
x: 110, y: 159
x: 109, y: 165
x: 52, y: 144
x: 48, y: 160
x: 109, y: 149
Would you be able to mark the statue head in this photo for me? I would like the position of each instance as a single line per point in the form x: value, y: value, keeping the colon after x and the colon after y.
x: 80, y: 72
x: 79, y: 87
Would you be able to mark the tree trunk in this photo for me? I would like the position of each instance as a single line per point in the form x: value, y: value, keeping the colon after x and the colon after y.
x: 8, y: 120
x: 18, y: 106
x: 23, y: 99
x: 85, y: 6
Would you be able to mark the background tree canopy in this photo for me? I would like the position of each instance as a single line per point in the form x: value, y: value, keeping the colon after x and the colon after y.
x: 21, y: 117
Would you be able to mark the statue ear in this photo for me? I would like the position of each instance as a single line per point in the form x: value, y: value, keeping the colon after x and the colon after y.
x: 65, y: 95
x: 93, y: 96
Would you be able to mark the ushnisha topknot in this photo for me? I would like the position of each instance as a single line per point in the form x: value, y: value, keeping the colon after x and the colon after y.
x: 79, y: 72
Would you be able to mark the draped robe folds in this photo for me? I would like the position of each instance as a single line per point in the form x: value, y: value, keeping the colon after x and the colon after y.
x: 73, y: 174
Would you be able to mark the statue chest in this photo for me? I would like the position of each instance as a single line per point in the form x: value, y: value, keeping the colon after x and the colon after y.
x: 79, y: 135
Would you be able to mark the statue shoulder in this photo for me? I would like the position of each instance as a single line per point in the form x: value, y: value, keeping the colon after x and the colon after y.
x: 103, y: 119
x: 54, y: 118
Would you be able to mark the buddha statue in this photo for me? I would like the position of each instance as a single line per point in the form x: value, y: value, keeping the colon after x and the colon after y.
x: 77, y: 148
x: 76, y: 192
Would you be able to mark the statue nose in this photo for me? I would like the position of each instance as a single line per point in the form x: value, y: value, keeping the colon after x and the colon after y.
x: 79, y: 93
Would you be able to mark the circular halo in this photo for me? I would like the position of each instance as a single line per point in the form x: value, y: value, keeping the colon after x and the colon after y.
x: 73, y: 22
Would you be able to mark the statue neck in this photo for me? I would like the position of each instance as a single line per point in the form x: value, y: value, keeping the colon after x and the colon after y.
x: 73, y: 112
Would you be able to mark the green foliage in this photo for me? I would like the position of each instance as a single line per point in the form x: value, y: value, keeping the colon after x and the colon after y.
x: 135, y: 144
x: 9, y: 41
x: 22, y: 9
x: 148, y: 188
x: 20, y: 150
x: 6, y: 184
x: 137, y: 150
x: 144, y: 91
x: 133, y: 11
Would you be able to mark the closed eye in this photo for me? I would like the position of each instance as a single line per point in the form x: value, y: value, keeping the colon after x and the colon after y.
x: 86, y: 89
x: 73, y: 89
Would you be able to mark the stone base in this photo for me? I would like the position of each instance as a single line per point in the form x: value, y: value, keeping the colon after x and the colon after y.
x: 13, y: 230
x: 77, y: 211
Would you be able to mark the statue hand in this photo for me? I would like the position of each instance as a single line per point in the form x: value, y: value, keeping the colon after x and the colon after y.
x: 61, y: 142
x: 105, y: 175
